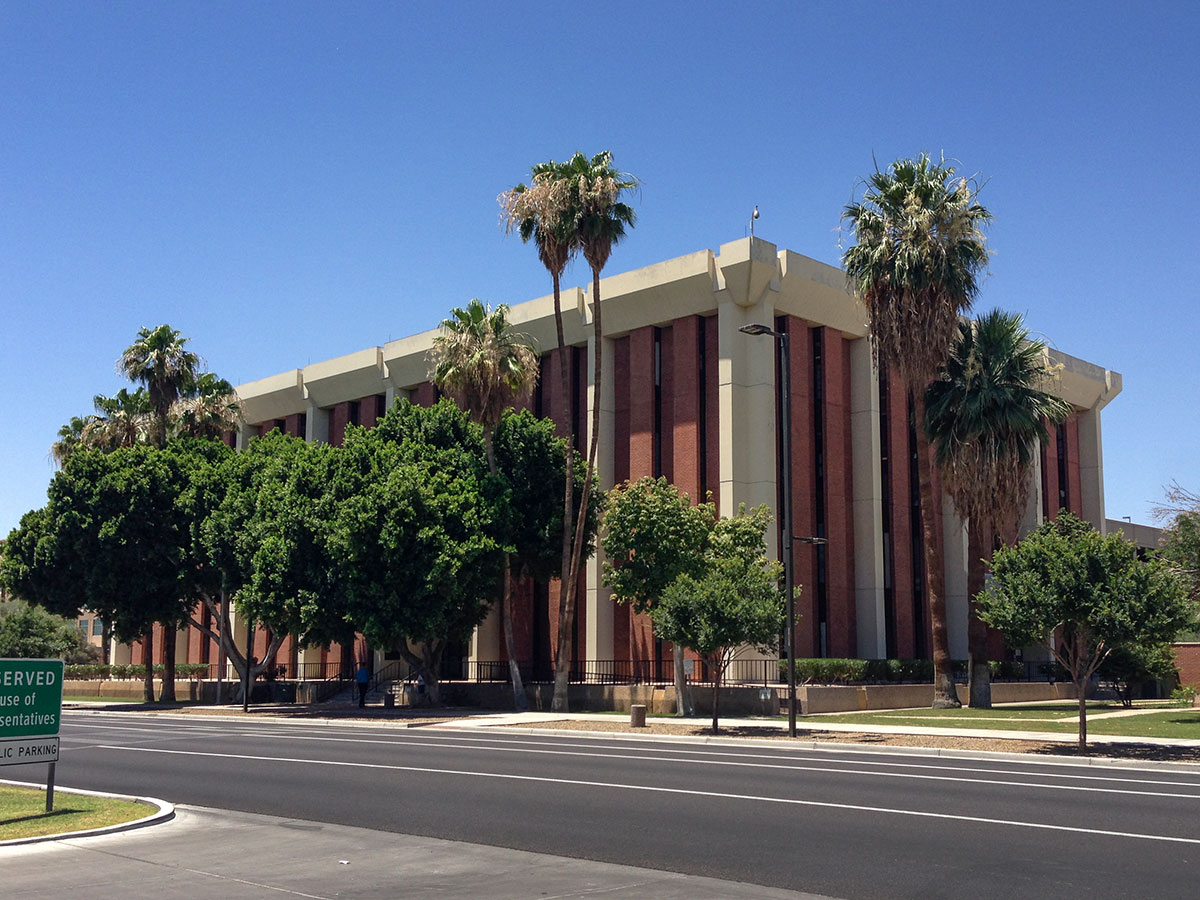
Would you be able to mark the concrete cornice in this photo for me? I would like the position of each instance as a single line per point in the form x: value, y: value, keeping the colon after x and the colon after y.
x: 744, y: 273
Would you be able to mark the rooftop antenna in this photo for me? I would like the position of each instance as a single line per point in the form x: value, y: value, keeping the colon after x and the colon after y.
x: 753, y: 216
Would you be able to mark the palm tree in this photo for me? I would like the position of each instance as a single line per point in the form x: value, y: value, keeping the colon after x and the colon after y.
x: 985, y: 413
x: 75, y: 435
x: 487, y: 367
x: 207, y: 408
x: 542, y: 212
x: 916, y: 267
x: 159, y: 360
x: 595, y: 189
x: 122, y: 420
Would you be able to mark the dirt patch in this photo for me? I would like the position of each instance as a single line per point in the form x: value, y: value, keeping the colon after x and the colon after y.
x: 937, y: 741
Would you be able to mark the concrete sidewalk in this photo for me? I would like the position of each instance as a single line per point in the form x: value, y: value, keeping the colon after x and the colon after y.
x: 533, y: 719
x: 207, y: 854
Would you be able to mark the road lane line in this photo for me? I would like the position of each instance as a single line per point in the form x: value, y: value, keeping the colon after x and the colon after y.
x: 787, y: 765
x: 717, y: 795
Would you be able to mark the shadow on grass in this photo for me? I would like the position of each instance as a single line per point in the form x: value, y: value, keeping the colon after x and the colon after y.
x: 41, y: 816
x: 1136, y: 752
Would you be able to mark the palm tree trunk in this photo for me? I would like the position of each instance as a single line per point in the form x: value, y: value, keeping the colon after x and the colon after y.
x: 566, y: 626
x: 568, y: 487
x: 980, y: 675
x: 170, y: 633
x: 944, y: 694
x: 148, y: 659
x: 506, y: 622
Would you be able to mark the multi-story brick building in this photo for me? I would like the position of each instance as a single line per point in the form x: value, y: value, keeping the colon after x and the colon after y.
x: 686, y: 395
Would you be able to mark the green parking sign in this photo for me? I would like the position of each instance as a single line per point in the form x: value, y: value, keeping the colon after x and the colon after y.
x: 30, y: 697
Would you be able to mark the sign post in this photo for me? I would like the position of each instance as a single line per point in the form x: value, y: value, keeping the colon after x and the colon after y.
x: 30, y: 714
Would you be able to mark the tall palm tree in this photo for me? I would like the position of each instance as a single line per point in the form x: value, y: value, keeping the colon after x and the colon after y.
x: 985, y: 413
x: 595, y: 192
x: 207, y: 408
x: 542, y: 212
x: 487, y: 367
x: 159, y: 359
x: 915, y: 265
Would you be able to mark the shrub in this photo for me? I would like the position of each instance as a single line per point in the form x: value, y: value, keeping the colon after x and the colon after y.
x: 1185, y: 695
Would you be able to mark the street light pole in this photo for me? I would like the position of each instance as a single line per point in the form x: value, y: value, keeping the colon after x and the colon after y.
x: 785, y: 518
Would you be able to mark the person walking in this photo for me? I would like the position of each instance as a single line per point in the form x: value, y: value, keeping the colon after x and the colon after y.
x: 363, y: 679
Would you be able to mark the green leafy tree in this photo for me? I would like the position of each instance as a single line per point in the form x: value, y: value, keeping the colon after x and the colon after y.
x: 915, y: 265
x: 30, y: 632
x: 487, y: 367
x: 414, y: 536
x: 733, y: 601
x: 1082, y: 594
x: 985, y: 414
x: 1181, y: 537
x: 1128, y: 667
x: 115, y: 538
x: 260, y: 524
x: 653, y: 535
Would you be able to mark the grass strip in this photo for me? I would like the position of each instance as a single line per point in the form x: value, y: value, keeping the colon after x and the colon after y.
x: 23, y: 812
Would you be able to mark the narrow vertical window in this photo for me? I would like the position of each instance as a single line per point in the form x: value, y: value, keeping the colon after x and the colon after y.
x: 818, y: 378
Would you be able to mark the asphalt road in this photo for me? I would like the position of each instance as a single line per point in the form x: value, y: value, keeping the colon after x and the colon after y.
x: 851, y: 825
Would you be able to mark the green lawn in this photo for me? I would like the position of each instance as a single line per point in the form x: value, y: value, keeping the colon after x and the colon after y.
x: 1168, y: 722
x: 23, y: 812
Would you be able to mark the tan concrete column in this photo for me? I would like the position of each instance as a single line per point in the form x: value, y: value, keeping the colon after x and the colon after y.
x: 316, y: 425
x: 868, y: 502
x: 243, y: 435
x: 598, y: 636
x: 954, y: 539
x: 746, y: 392
x: 1033, y: 506
x: 485, y: 642
x: 1091, y: 467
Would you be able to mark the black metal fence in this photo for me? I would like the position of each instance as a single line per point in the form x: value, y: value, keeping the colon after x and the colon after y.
x: 745, y: 671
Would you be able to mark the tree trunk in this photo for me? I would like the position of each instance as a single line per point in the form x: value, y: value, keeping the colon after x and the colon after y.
x: 167, y: 694
x: 980, y: 673
x: 685, y: 704
x: 566, y: 627
x: 568, y: 495
x: 520, y: 701
x: 944, y: 694
x: 148, y: 659
x: 1081, y: 691
x: 716, y: 667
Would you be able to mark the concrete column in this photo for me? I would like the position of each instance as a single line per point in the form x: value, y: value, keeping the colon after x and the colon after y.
x: 244, y: 433
x: 488, y: 637
x: 746, y: 391
x: 598, y: 643
x: 954, y: 532
x: 317, y: 425
x: 1033, y: 506
x: 868, y: 502
x: 1091, y: 467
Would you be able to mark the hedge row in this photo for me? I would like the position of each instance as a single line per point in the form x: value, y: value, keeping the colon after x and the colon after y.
x: 889, y: 671
x: 97, y: 672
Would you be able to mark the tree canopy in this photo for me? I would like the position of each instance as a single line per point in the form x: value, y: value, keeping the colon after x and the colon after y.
x: 1083, y: 595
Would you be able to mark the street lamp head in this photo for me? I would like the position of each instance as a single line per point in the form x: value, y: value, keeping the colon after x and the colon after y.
x: 755, y: 328
x: 810, y: 540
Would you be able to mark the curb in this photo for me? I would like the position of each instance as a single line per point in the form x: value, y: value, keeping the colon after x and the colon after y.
x: 164, y: 812
x: 833, y: 746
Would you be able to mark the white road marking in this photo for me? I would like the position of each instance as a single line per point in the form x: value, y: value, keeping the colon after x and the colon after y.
x: 717, y: 795
x: 791, y: 765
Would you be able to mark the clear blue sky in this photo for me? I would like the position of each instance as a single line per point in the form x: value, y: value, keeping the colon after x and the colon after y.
x: 286, y: 182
